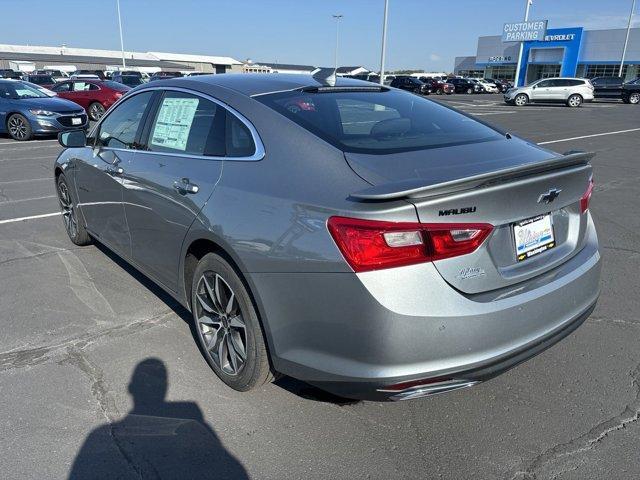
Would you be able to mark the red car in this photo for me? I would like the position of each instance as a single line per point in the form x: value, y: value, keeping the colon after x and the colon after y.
x: 437, y: 86
x: 96, y: 96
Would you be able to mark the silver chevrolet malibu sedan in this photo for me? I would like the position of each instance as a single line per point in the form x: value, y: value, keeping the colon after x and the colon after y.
x: 360, y: 238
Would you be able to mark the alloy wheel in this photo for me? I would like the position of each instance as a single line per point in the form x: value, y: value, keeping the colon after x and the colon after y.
x: 220, y: 323
x: 17, y: 128
x: 634, y: 98
x: 574, y: 101
x: 96, y: 111
x: 521, y: 100
x: 68, y: 212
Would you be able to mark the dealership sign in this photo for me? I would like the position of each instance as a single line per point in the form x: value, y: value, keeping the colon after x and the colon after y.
x: 524, y: 31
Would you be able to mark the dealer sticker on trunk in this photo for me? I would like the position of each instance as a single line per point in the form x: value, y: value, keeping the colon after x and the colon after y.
x: 533, y: 236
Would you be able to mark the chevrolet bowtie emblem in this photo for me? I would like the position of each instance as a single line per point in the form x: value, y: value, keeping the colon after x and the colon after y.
x: 550, y: 196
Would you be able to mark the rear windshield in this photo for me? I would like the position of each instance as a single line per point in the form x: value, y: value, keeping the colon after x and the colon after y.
x: 378, y: 122
x: 114, y: 85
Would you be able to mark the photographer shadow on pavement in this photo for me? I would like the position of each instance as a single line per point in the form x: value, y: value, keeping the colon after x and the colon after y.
x: 156, y: 439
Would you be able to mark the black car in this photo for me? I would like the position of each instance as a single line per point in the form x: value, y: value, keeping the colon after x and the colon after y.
x: 99, y: 73
x: 46, y: 81
x: 607, y: 87
x: 631, y: 92
x: 411, y: 84
x: 10, y: 73
x: 464, y: 85
x: 128, y: 80
x: 164, y: 76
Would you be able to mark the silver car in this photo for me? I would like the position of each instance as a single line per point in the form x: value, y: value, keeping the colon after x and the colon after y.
x: 570, y: 91
x: 368, y: 241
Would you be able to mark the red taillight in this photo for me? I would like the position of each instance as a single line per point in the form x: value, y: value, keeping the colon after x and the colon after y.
x: 372, y: 245
x: 118, y: 94
x: 586, y: 197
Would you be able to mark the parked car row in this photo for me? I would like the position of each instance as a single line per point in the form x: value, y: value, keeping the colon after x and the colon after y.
x: 574, y: 91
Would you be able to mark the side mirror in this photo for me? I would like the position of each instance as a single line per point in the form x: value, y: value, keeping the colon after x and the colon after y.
x: 73, y: 139
x: 535, y: 86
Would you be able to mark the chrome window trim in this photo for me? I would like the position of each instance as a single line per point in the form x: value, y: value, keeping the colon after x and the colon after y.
x: 257, y: 141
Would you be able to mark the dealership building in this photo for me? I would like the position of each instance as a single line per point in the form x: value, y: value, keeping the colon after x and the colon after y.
x: 570, y: 52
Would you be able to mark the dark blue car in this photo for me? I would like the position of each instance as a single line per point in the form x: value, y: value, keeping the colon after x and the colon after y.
x: 26, y: 111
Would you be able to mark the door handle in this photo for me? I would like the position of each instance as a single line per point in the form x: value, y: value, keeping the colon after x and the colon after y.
x: 111, y: 170
x: 184, y: 186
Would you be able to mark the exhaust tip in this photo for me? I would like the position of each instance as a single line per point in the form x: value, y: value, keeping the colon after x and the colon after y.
x: 426, y: 388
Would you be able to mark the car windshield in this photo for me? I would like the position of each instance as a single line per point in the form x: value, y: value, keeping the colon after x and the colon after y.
x: 378, y: 122
x: 19, y: 91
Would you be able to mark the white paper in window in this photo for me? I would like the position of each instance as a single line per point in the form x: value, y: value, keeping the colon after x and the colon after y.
x: 174, y: 123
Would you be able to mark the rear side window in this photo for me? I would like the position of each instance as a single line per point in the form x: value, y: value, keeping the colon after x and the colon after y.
x: 239, y: 142
x: 378, y: 122
x: 83, y: 86
x: 575, y: 83
x: 119, y: 128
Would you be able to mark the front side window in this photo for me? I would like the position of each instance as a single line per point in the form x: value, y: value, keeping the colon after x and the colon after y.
x: 378, y: 122
x: 544, y: 84
x: 62, y: 87
x: 119, y: 128
x: 185, y: 123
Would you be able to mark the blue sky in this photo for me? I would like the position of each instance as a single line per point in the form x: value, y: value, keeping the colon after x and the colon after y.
x: 425, y: 34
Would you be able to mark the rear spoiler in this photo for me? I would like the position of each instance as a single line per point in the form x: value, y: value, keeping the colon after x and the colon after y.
x: 420, y: 188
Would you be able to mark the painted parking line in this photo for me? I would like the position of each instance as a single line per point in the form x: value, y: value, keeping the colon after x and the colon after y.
x: 14, y: 142
x: 21, y: 200
x: 32, y: 217
x: 27, y: 180
x: 590, y: 136
x: 20, y: 159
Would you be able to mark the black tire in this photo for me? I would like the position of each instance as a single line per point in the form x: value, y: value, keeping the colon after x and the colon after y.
x: 574, y: 101
x: 73, y: 223
x: 19, y: 128
x: 521, y: 100
x: 255, y: 369
x: 96, y: 111
x: 633, y: 98
x: 439, y: 91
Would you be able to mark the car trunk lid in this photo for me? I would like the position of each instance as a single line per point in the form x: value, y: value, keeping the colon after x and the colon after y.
x: 502, y: 186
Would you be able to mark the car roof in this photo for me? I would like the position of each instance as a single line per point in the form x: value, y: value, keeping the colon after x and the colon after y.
x: 251, y: 84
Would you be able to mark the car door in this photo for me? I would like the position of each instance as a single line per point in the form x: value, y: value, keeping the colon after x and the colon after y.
x: 112, y: 145
x: 614, y: 87
x: 64, y: 90
x: 84, y: 93
x: 167, y: 184
x: 541, y: 91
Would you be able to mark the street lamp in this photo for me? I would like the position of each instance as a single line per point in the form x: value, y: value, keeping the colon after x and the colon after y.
x: 526, y: 18
x: 626, y: 38
x: 335, y: 60
x: 121, y: 41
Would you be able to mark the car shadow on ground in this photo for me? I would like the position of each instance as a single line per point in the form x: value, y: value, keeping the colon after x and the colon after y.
x: 156, y: 439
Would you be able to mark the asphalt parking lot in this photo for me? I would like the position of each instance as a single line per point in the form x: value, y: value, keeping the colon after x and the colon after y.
x: 84, y: 335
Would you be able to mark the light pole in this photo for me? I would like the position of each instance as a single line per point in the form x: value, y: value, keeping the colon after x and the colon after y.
x: 121, y: 41
x: 335, y: 59
x: 384, y: 40
x: 626, y: 39
x: 526, y: 18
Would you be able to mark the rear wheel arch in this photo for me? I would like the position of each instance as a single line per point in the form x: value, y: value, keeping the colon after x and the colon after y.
x: 201, y: 246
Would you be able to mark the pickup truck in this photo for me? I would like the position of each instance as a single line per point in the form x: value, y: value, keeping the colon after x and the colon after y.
x: 631, y: 92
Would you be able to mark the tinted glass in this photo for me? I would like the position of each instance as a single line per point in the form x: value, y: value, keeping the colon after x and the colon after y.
x: 378, y: 122
x: 19, y: 91
x: 119, y: 128
x: 62, y: 87
x: 544, y: 84
x: 114, y: 85
x: 239, y: 142
x: 575, y: 83
x: 83, y: 87
x: 185, y: 123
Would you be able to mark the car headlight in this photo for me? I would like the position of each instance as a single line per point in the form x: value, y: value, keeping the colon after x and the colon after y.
x: 44, y: 113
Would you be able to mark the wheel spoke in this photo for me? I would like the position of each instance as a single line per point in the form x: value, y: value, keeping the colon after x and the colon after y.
x: 233, y: 356
x: 214, y: 304
x: 222, y: 351
x: 237, y: 322
x: 237, y: 344
x: 204, y: 304
x: 210, y: 343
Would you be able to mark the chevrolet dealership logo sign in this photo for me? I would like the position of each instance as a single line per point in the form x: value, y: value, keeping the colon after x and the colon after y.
x: 524, y: 31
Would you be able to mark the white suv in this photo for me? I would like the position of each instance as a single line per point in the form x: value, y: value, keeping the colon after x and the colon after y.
x: 571, y: 91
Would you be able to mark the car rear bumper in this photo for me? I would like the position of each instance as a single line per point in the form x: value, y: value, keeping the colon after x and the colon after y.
x: 359, y: 335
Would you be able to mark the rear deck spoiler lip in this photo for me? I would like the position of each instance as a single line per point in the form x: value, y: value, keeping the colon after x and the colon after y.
x: 416, y: 188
